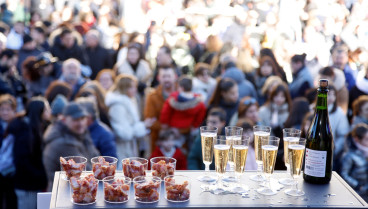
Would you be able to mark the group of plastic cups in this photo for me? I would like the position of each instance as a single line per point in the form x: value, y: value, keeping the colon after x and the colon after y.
x: 147, y: 189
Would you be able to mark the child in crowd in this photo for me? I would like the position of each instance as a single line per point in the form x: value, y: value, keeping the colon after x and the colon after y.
x: 166, y: 147
x: 183, y: 110
x: 354, y: 164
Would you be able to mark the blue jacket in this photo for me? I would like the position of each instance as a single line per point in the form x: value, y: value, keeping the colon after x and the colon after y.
x: 350, y: 76
x: 103, y: 138
x: 302, y: 81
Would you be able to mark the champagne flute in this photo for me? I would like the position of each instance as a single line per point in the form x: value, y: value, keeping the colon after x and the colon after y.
x: 240, y: 152
x: 208, y: 135
x: 221, y: 150
x: 289, y: 135
x: 296, y: 154
x: 270, y: 147
x: 232, y: 133
x: 260, y: 132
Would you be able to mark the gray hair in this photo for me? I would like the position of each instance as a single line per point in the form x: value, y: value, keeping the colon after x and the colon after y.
x: 90, y: 105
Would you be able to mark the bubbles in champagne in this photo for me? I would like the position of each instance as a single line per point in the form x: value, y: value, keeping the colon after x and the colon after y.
x: 296, y: 154
x: 269, y: 153
x: 207, y: 146
x: 258, y: 136
x: 221, y: 157
x: 240, y: 157
x: 287, y: 140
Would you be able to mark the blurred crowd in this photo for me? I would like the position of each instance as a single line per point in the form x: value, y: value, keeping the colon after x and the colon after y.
x: 138, y: 78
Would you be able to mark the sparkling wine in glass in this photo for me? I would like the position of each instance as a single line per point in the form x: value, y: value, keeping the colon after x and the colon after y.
x: 260, y: 132
x: 289, y: 135
x: 221, y: 151
x: 233, y: 133
x: 240, y: 152
x: 208, y: 136
x: 270, y: 147
x: 296, y: 154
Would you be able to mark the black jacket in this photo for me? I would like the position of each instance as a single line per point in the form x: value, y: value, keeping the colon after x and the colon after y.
x: 30, y: 172
x: 59, y: 51
x: 98, y: 59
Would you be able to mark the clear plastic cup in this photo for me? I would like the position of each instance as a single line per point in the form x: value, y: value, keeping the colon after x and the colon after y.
x: 103, y: 166
x: 83, y: 189
x: 116, y: 189
x: 147, y: 189
x: 72, y: 166
x: 163, y: 166
x: 134, y: 166
x: 177, y: 188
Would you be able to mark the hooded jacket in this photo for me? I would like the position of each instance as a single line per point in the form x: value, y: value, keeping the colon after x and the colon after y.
x: 183, y: 114
x: 125, y: 123
x: 245, y: 87
x: 60, y: 142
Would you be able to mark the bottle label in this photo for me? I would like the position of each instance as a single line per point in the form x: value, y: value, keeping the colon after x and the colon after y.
x: 315, y: 163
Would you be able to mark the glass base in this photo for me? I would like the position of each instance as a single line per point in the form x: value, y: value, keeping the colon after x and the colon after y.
x: 229, y: 179
x: 294, y: 192
x: 266, y: 191
x: 240, y: 189
x: 207, y: 178
x: 215, y: 189
x: 257, y: 177
x: 287, y: 181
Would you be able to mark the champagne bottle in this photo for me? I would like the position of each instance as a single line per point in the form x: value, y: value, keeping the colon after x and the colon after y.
x: 319, y: 145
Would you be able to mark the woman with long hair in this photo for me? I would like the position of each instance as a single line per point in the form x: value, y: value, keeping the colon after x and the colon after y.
x: 124, y: 116
x: 226, y: 96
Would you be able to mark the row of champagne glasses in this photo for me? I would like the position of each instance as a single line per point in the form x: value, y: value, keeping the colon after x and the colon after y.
x: 233, y: 149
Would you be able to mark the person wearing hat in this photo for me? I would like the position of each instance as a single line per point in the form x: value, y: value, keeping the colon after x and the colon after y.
x: 39, y: 72
x: 67, y: 137
x: 29, y: 48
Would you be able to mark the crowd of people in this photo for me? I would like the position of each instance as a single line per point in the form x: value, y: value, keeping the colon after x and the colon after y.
x: 138, y: 78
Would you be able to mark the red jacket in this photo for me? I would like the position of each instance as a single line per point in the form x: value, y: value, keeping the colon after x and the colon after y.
x: 181, y: 159
x: 183, y: 115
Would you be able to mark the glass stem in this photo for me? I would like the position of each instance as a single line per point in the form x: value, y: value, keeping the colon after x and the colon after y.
x: 268, y: 181
x: 296, y: 184
x: 207, y: 169
x: 259, y: 169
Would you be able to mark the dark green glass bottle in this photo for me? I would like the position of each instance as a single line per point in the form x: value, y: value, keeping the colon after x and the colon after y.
x: 319, y: 144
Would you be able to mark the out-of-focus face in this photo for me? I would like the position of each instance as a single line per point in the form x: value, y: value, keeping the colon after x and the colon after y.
x: 295, y: 66
x: 340, y: 59
x: 331, y: 97
x: 215, y: 121
x: 133, y: 55
x: 364, y: 110
x: 252, y: 113
x: 167, y: 78
x: 364, y: 141
x: 205, y: 77
x: 76, y: 126
x: 46, y: 115
x: 163, y: 58
x: 279, y: 98
x: 106, y: 80
x: 266, y: 69
x: 71, y: 73
x: 35, y: 35
x: 29, y: 45
x: 132, y: 91
x: 232, y: 95
x: 68, y: 40
x: 91, y: 40
x: 6, y: 112
x: 168, y: 144
x: 19, y: 28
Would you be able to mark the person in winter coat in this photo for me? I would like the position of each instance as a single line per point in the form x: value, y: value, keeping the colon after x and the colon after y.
x: 30, y: 175
x: 248, y: 109
x: 302, y: 79
x: 98, y: 57
x: 339, y: 124
x: 245, y: 87
x: 156, y: 98
x: 354, y: 164
x: 166, y: 148
x: 72, y: 75
x: 183, y: 109
x: 67, y: 137
x: 135, y: 65
x: 124, y: 116
x: 28, y: 49
x: 65, y: 47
